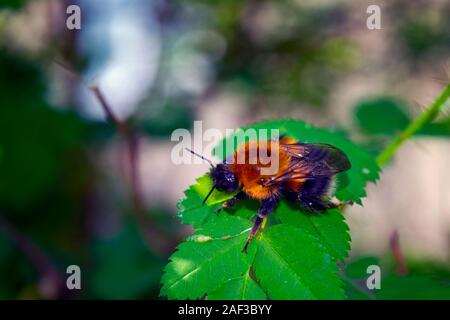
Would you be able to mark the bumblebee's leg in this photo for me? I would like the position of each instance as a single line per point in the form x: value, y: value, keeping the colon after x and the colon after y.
x: 341, y: 204
x: 230, y: 202
x: 313, y: 195
x: 266, y: 208
x: 316, y: 204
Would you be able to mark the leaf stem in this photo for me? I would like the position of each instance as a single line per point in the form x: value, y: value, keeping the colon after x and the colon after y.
x: 428, y: 115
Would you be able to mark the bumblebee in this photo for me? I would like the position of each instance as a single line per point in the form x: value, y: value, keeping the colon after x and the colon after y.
x: 305, y: 175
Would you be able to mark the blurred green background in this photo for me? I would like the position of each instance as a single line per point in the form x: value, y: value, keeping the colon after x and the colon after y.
x: 66, y: 195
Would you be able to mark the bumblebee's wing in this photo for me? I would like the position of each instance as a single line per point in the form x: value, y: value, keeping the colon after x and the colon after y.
x: 327, y: 158
x: 310, y: 160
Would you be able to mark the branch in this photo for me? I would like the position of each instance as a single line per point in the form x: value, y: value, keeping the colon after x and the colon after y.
x: 120, y: 125
x: 427, y: 116
x: 51, y: 283
x: 155, y: 239
x: 397, y: 252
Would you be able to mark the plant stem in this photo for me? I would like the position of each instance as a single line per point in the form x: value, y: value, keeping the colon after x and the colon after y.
x: 51, y: 284
x: 402, y: 268
x: 428, y: 115
x: 386, y: 155
x: 156, y: 240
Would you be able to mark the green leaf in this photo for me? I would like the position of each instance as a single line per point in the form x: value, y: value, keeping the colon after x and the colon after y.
x: 293, y: 258
x: 209, y: 259
x: 329, y: 227
x: 351, y: 184
x: 424, y: 280
x: 387, y: 116
x: 381, y: 116
x: 355, y: 277
x: 191, y: 210
x: 414, y: 286
x: 357, y: 268
x: 292, y: 264
x: 439, y: 128
x: 241, y: 288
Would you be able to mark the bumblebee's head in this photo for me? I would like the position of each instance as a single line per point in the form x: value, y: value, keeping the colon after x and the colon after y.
x: 224, y: 179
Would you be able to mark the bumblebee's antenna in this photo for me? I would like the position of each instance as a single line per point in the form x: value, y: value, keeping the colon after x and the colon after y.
x: 209, y: 193
x: 202, y: 157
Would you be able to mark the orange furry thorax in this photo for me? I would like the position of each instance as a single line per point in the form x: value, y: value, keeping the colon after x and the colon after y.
x: 251, y: 164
